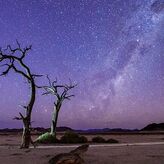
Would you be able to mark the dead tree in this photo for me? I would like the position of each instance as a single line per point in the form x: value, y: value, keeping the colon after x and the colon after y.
x: 61, y: 93
x: 13, y: 59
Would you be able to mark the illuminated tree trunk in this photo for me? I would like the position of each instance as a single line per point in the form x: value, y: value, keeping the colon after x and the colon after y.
x: 55, y: 115
x: 26, y: 137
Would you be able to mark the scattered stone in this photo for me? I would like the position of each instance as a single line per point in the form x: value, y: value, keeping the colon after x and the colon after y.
x: 80, y: 150
x: 73, y: 157
x: 27, y: 151
x: 66, y: 158
x: 15, y: 154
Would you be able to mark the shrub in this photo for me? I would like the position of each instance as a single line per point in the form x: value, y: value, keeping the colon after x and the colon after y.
x: 71, y: 137
x: 47, y: 138
x: 83, y: 139
x: 98, y: 139
x: 112, y: 141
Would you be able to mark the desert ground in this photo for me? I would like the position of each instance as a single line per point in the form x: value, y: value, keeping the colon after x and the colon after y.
x: 132, y: 149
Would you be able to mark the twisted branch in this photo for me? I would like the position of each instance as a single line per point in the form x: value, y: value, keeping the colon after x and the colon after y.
x: 53, y: 89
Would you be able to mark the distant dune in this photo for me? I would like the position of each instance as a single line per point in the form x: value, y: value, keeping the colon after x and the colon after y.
x: 37, y: 129
x: 150, y: 127
x: 63, y: 129
x: 106, y: 130
x: 154, y: 127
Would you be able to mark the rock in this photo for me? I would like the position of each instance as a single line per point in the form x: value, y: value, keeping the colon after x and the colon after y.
x: 73, y: 157
x: 80, y: 150
x: 66, y: 158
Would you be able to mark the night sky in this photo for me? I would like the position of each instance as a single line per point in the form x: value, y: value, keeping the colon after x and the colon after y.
x: 113, y: 49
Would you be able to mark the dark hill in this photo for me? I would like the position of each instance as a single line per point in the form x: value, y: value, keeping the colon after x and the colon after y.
x: 58, y: 129
x: 107, y: 130
x: 37, y: 129
x: 154, y: 127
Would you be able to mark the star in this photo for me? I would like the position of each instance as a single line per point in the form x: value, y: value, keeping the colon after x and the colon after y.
x: 113, y: 50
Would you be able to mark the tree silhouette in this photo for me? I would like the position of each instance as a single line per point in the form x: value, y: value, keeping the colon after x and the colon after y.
x: 61, y: 93
x: 13, y: 59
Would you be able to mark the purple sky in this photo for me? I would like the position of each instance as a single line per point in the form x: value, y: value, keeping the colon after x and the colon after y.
x: 113, y: 49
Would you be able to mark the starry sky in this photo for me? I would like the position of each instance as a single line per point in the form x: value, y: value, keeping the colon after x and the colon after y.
x: 113, y: 50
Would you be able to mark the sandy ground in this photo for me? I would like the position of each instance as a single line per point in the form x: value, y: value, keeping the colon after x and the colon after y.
x: 121, y: 154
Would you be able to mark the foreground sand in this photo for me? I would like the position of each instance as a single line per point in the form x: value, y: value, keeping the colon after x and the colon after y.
x: 146, y: 154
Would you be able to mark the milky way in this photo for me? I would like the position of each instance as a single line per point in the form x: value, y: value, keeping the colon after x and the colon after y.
x: 113, y: 49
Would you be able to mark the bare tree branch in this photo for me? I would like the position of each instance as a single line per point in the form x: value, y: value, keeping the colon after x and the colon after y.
x: 21, y: 115
x: 4, y: 73
x: 23, y: 106
x: 67, y: 97
x: 21, y: 72
x: 49, y: 80
x: 17, y: 118
x: 35, y: 75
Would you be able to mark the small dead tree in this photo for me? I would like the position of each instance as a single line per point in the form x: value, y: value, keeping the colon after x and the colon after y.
x: 61, y: 93
x: 13, y: 59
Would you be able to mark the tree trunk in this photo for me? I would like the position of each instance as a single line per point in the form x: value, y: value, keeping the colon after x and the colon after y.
x: 26, y: 137
x: 54, y: 121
